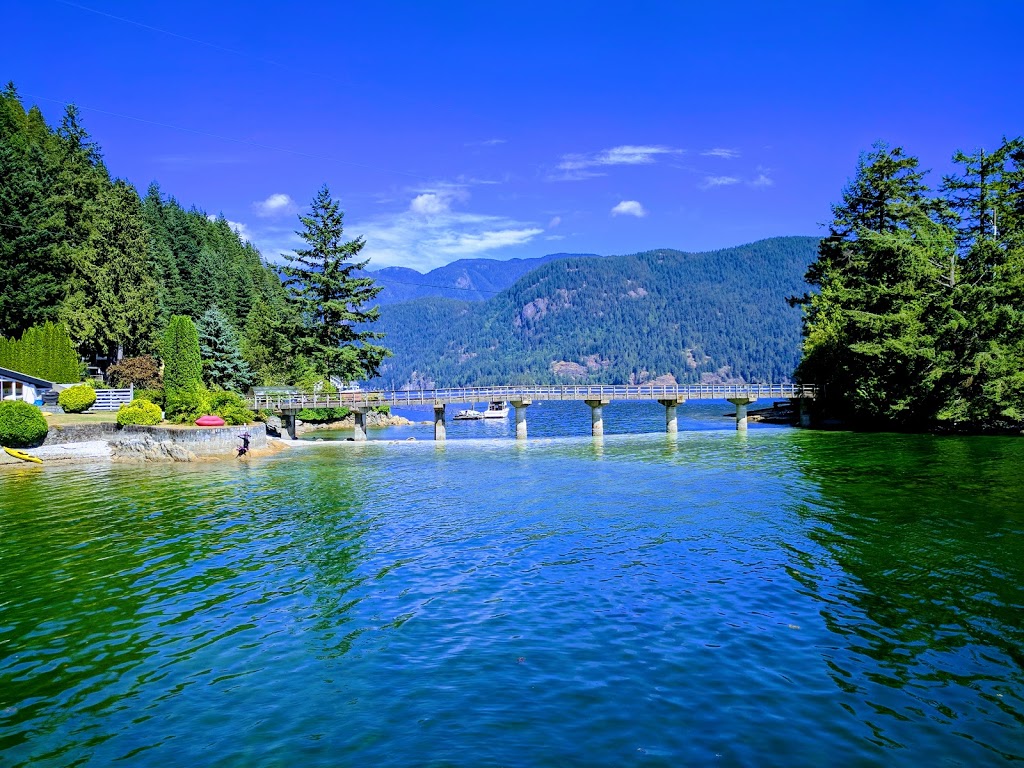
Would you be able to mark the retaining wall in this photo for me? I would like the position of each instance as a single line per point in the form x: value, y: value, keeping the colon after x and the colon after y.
x: 202, y: 441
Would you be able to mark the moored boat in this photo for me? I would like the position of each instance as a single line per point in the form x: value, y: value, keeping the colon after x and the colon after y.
x: 496, y: 409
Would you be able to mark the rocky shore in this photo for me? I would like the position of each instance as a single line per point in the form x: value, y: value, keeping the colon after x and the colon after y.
x: 373, y: 420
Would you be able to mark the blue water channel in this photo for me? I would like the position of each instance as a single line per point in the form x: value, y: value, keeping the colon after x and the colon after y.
x: 776, y: 598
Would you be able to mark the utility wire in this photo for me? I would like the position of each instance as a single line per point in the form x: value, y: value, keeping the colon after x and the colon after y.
x: 245, y: 142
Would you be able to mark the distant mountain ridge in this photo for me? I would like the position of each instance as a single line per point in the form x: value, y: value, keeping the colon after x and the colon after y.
x: 464, y: 280
x: 661, y: 315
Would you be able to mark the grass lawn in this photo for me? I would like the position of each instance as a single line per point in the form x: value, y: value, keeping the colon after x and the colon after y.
x: 70, y: 419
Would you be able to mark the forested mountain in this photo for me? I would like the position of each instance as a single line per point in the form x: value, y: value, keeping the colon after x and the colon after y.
x: 80, y: 248
x: 716, y: 316
x: 465, y: 279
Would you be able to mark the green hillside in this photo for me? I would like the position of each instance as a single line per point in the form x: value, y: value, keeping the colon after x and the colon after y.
x: 715, y: 316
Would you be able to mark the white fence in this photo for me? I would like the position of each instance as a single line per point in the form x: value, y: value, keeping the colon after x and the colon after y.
x: 112, y: 399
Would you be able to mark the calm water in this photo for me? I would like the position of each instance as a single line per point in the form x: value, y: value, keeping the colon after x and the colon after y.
x: 782, y: 598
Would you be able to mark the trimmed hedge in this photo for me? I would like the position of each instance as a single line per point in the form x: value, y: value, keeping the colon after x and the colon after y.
x: 139, y: 411
x: 77, y: 399
x: 21, y: 425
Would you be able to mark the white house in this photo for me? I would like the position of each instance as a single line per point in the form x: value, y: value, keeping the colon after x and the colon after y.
x: 21, y: 386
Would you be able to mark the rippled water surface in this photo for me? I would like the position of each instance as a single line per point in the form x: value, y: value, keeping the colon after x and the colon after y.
x: 780, y: 598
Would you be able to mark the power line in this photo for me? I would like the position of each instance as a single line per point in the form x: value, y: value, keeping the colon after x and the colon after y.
x: 208, y: 44
x: 245, y: 142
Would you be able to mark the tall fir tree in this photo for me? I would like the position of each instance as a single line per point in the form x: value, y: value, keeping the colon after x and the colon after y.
x: 331, y: 297
x: 223, y: 364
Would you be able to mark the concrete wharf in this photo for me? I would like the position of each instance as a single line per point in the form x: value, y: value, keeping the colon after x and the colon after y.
x: 520, y: 397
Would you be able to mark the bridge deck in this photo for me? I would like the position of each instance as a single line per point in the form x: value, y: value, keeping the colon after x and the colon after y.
x: 287, y: 403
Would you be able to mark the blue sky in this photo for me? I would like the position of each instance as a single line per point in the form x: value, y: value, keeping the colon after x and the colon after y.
x: 490, y: 129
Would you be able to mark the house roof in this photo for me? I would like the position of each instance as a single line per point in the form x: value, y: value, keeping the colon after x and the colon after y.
x: 7, y: 373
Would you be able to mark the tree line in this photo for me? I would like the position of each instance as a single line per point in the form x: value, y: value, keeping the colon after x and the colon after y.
x: 917, y: 320
x: 83, y: 250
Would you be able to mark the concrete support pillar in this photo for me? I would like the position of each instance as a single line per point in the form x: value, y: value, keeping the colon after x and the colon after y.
x: 360, y: 417
x: 596, y: 416
x: 439, y: 425
x: 671, y: 420
x: 741, y: 404
x: 805, y: 413
x: 289, y: 424
x: 520, y: 406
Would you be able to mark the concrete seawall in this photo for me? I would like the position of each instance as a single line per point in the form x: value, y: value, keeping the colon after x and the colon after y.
x: 199, y: 441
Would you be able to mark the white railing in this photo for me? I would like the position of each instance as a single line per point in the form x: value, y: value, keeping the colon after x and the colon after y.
x: 112, y: 399
x: 532, y: 392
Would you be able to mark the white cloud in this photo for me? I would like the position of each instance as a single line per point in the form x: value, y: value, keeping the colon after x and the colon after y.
x: 629, y: 208
x: 575, y: 166
x: 430, y: 233
x: 278, y: 204
x: 429, y: 204
x: 555, y: 237
x: 486, y: 143
x: 725, y: 154
x: 554, y: 222
x: 719, y: 181
x: 763, y: 179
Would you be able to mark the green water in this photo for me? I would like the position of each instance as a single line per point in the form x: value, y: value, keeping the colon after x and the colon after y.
x: 785, y: 598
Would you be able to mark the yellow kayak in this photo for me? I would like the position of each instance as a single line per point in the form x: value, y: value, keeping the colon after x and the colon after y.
x: 22, y: 455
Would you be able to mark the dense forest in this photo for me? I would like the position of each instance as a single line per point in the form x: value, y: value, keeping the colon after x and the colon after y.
x: 82, y: 249
x: 918, y: 317
x: 687, y: 317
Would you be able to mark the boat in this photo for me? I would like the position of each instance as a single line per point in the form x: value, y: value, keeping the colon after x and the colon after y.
x: 496, y: 409
x: 22, y: 455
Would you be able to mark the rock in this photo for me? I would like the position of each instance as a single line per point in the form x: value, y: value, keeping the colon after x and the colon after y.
x: 145, y: 448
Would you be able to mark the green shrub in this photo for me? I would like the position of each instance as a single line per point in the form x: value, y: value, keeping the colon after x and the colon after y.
x: 21, y: 425
x: 230, y: 406
x: 153, y: 395
x: 77, y: 398
x: 141, y: 372
x: 139, y: 411
x: 184, y: 407
x: 322, y: 414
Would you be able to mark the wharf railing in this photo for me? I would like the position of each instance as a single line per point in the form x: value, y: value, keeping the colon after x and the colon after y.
x: 513, y: 393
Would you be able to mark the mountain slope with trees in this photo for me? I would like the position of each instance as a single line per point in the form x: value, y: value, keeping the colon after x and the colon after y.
x: 463, y: 280
x: 688, y: 317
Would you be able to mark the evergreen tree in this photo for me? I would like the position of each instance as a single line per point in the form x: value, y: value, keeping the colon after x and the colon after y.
x: 223, y: 365
x: 987, y: 385
x: 331, y: 298
x: 883, y: 285
x: 267, y: 342
x: 183, y: 367
x: 127, y: 292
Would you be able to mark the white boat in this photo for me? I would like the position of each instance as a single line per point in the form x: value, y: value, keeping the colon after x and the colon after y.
x: 496, y: 409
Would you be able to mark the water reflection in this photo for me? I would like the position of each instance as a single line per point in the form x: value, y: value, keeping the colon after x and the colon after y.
x: 928, y: 601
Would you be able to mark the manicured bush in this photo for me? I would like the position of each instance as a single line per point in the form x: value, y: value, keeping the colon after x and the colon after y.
x: 185, y: 407
x: 139, y: 411
x: 21, y: 425
x: 231, y: 407
x: 77, y: 399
